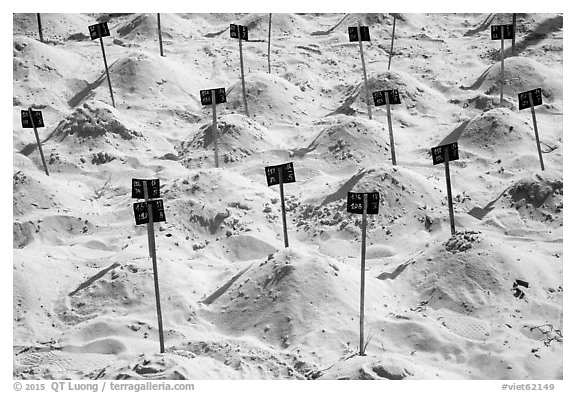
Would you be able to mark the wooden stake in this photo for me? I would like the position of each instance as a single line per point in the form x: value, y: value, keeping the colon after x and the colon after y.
x: 152, y: 251
x: 364, y: 71
x: 449, y: 188
x: 160, y: 36
x: 38, y: 141
x: 242, y: 74
x: 390, y: 128
x: 502, y: 64
x: 40, y: 27
x: 269, y: 36
x: 362, y: 272
x: 513, y: 34
x: 536, y: 130
x: 214, y: 128
x: 392, y: 44
x: 106, y: 66
x: 281, y: 181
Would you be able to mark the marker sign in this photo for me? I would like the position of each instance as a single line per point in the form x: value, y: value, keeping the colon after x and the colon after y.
x: 273, y: 177
x: 234, y: 31
x: 138, y: 188
x: 438, y: 153
x: 355, y: 202
x: 497, y: 35
x: 524, y: 101
x: 141, y: 211
x: 353, y: 33
x: 380, y: 97
x: 206, y: 96
x: 27, y: 122
x: 99, y: 30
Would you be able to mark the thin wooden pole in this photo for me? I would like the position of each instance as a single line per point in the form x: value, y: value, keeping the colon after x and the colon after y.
x: 364, y: 72
x: 502, y: 64
x: 160, y: 36
x: 38, y: 141
x: 40, y: 27
x: 362, y: 272
x: 285, y: 227
x: 269, y: 37
x: 536, y: 130
x: 214, y: 128
x: 242, y: 74
x: 392, y: 147
x: 152, y: 250
x: 449, y: 188
x: 106, y: 66
x: 514, y: 34
x: 392, y: 44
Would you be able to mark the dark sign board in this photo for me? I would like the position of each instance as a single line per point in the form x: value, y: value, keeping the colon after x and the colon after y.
x: 206, y: 96
x: 99, y: 30
x: 438, y: 153
x: 141, y: 211
x: 234, y: 31
x: 355, y: 202
x: 496, y: 33
x: 353, y: 33
x: 380, y: 97
x: 36, y: 116
x: 273, y: 177
x: 524, y: 101
x: 138, y: 188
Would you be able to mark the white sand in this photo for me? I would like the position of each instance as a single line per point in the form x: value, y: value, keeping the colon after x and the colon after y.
x: 236, y: 304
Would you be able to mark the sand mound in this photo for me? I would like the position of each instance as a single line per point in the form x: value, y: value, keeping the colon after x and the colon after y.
x: 55, y: 27
x: 272, y: 97
x: 203, y: 210
x: 538, y: 198
x: 239, y: 137
x: 414, y: 95
x: 141, y: 78
x: 94, y: 121
x: 285, y: 299
x: 401, y: 191
x: 522, y: 74
x: 496, y: 129
x: 345, y: 138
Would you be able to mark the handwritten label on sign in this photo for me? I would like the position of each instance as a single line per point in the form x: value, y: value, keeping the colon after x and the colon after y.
x: 27, y: 122
x: 438, y: 153
x: 380, y: 97
x: 273, y: 177
x: 355, y: 202
x: 141, y: 211
x: 524, y: 102
x: 353, y: 33
x: 99, y: 30
x: 496, y: 33
x: 234, y: 31
x: 138, y: 188
x: 206, y: 96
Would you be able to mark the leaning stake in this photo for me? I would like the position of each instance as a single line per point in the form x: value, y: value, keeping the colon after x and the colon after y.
x: 98, y: 31
x: 148, y: 212
x: 364, y: 72
x: 269, y: 37
x: 449, y: 188
x: 362, y: 272
x: 444, y: 154
x: 40, y: 27
x: 392, y: 44
x: 33, y: 119
x: 160, y: 36
x: 363, y: 203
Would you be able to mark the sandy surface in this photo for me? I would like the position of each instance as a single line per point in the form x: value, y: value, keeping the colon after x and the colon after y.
x: 236, y: 304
